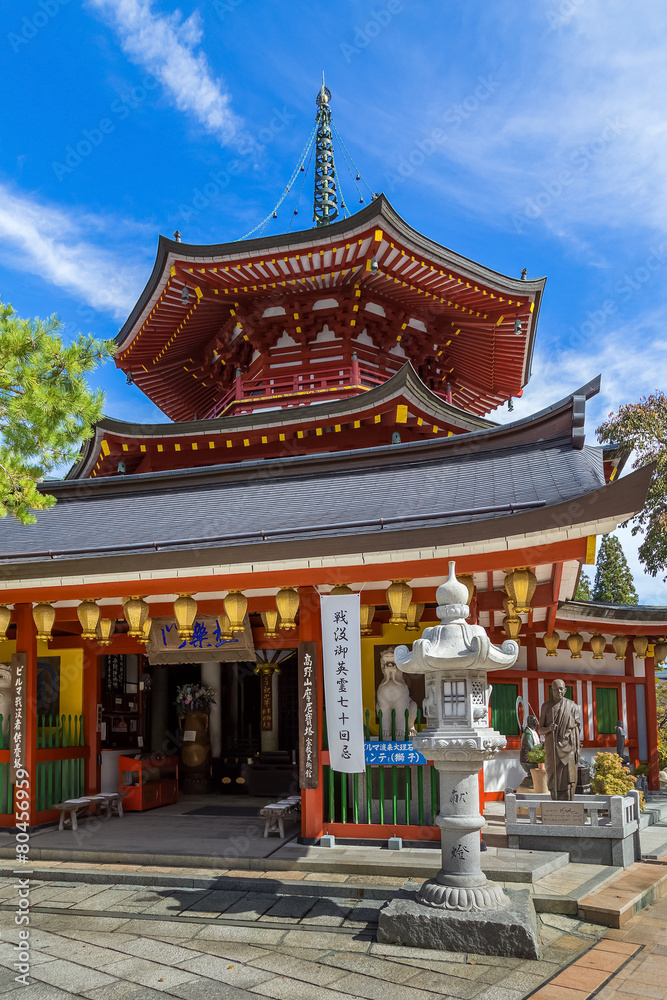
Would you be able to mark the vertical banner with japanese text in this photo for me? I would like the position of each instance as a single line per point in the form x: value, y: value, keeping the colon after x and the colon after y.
x: 341, y: 646
x: 17, y: 756
x: 308, y: 716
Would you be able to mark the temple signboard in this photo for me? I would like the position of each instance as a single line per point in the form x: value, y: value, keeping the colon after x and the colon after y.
x: 207, y: 642
x: 341, y: 650
x: 308, y: 716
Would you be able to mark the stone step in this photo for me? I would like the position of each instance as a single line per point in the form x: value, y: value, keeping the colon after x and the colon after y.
x: 640, y: 885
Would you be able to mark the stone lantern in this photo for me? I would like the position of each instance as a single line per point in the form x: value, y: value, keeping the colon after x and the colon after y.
x: 459, y: 909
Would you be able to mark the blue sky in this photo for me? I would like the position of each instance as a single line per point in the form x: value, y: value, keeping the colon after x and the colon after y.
x: 521, y: 135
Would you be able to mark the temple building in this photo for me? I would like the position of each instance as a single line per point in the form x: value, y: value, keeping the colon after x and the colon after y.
x: 330, y: 394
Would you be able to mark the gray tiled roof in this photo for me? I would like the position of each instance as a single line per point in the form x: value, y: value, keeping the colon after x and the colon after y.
x: 308, y: 503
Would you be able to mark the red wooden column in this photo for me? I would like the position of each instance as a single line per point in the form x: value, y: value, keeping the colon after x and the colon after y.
x: 652, y: 726
x: 26, y: 642
x: 310, y: 630
x: 531, y: 664
x: 631, y: 699
x: 92, y: 695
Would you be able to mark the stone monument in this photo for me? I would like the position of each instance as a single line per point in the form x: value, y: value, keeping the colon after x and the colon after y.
x: 393, y: 694
x: 459, y: 910
x: 560, y: 729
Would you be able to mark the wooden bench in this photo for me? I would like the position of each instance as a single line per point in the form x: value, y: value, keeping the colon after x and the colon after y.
x: 275, y: 813
x: 108, y: 803
x: 104, y: 803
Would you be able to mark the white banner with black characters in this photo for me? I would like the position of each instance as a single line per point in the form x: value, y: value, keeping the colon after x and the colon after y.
x: 341, y: 647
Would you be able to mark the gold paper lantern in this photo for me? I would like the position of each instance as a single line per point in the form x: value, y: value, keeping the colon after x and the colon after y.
x: 5, y: 618
x: 287, y: 602
x: 620, y: 644
x: 44, y: 616
x: 660, y: 652
x: 236, y: 605
x: 414, y: 614
x: 340, y: 590
x: 104, y: 631
x: 575, y: 643
x: 520, y: 586
x: 145, y: 632
x: 512, y: 627
x: 468, y: 582
x: 135, y: 610
x: 598, y: 645
x: 509, y: 607
x: 551, y: 643
x: 640, y: 642
x: 89, y: 615
x: 270, y: 623
x: 399, y: 596
x: 366, y: 616
x: 225, y: 626
x: 185, y: 612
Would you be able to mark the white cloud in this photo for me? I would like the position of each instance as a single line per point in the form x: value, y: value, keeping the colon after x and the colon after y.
x: 165, y: 46
x: 50, y: 243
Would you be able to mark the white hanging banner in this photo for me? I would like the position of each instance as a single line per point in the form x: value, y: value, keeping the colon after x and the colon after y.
x: 341, y: 648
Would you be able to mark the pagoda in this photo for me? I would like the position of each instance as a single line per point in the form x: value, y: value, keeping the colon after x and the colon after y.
x: 328, y: 394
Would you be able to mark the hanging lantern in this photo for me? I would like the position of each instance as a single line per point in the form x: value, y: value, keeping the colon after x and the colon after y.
x: 660, y: 652
x: 598, y: 644
x: 640, y: 642
x: 270, y: 623
x: 89, y: 615
x: 185, y: 612
x: 520, y: 586
x: 5, y: 618
x: 620, y: 644
x: 135, y: 610
x: 287, y: 602
x: 512, y: 627
x: 104, y: 631
x: 340, y: 590
x: 468, y: 582
x: 225, y: 626
x: 509, y: 607
x: 399, y: 595
x: 366, y: 616
x: 44, y: 615
x: 575, y: 643
x: 414, y: 614
x: 551, y: 643
x: 145, y: 632
x: 236, y: 605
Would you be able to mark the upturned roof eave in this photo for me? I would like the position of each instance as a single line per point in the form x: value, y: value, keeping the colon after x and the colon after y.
x: 606, y: 612
x: 380, y: 209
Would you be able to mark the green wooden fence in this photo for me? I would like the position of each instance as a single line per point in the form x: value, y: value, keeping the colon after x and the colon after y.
x: 6, y: 787
x: 396, y: 794
x: 58, y: 780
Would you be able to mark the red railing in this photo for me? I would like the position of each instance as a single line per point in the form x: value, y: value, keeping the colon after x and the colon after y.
x: 247, y: 395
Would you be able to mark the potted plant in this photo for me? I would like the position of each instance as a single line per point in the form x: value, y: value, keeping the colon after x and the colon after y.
x: 538, y: 773
x: 193, y: 704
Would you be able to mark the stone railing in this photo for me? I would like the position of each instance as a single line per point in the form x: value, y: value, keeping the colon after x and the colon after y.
x: 609, y: 834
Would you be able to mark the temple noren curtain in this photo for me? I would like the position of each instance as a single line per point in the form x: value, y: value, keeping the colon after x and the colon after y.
x: 503, y: 709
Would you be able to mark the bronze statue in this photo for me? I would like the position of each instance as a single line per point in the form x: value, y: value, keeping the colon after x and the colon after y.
x: 529, y: 740
x: 559, y: 727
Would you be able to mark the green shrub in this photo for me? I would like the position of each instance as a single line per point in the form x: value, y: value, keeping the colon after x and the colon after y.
x: 536, y: 755
x: 662, y: 747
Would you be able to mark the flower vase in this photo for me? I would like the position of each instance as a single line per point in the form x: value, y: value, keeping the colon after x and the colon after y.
x: 540, y: 782
x: 195, y: 752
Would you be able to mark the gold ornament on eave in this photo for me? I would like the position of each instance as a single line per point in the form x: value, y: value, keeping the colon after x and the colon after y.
x: 340, y: 590
x: 89, y: 615
x: 236, y: 605
x: 135, y: 610
x: 598, y: 645
x: 512, y: 627
x: 414, y: 615
x: 575, y: 643
x: 270, y: 623
x: 185, y: 612
x: 520, y: 586
x: 5, y: 619
x: 640, y: 642
x: 620, y: 644
x: 145, y: 632
x: 104, y: 631
x: 467, y: 581
x: 225, y: 626
x: 660, y: 652
x: 287, y: 602
x: 551, y: 643
x: 44, y: 615
x: 366, y: 616
x: 399, y: 596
